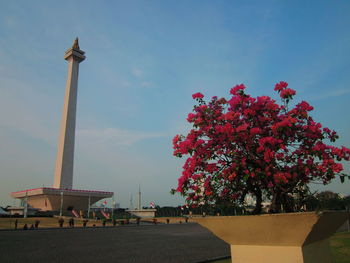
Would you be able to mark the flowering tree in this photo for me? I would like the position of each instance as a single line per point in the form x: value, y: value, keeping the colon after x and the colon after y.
x: 248, y: 145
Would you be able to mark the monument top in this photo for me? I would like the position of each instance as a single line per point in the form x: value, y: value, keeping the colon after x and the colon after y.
x: 76, y: 44
x: 75, y: 51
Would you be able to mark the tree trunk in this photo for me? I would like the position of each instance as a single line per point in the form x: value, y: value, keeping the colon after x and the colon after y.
x: 287, y: 203
x: 275, y: 203
x: 258, y: 207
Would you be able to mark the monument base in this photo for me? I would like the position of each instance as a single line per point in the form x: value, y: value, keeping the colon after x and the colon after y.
x: 275, y: 238
x: 51, y: 199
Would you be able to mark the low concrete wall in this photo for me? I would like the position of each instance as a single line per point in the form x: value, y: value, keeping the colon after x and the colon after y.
x: 344, y: 227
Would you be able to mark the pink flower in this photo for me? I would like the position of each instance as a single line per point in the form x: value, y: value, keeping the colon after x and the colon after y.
x: 176, y: 139
x: 337, y: 167
x: 304, y: 106
x: 229, y: 116
x: 232, y: 176
x: 197, y: 176
x: 280, y: 86
x: 197, y: 95
x: 327, y: 130
x: 181, y: 182
x: 191, y: 117
x: 255, y: 130
x: 248, y: 112
x: 280, y: 177
x: 242, y: 127
x: 208, y: 192
x: 287, y: 93
x: 211, y: 168
x: 237, y: 88
x: 201, y: 108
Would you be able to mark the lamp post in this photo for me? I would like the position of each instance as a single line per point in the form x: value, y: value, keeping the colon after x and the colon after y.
x: 25, y: 210
x: 89, y: 207
x: 61, y: 208
x: 113, y: 206
x: 139, y: 204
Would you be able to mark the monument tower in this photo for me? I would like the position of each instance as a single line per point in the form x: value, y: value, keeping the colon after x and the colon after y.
x: 65, y: 153
x: 62, y: 196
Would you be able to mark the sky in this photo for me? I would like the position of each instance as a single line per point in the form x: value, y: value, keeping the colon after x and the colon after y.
x: 144, y: 61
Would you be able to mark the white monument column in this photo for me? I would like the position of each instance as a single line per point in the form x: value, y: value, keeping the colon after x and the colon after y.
x: 65, y: 154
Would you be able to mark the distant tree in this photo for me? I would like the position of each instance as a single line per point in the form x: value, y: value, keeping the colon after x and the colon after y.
x: 328, y: 200
x: 246, y: 145
x: 168, y: 211
x: 327, y: 195
x: 346, y: 201
x: 311, y: 203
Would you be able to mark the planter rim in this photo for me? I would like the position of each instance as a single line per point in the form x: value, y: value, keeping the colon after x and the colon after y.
x: 285, y: 229
x: 319, y: 213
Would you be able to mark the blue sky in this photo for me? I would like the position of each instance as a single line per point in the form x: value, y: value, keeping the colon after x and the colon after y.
x: 144, y: 60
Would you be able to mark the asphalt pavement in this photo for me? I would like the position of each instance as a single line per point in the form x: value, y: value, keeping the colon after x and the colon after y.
x: 174, y: 243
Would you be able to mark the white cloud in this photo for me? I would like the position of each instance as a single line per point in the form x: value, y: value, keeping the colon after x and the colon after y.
x: 334, y: 93
x: 137, y: 72
x: 121, y: 163
x: 10, y: 21
x: 116, y: 136
x: 25, y: 109
x: 146, y: 84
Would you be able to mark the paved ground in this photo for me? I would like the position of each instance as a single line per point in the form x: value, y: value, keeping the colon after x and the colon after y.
x: 187, y: 243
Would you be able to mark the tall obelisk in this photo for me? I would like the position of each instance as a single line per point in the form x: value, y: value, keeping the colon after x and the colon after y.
x: 65, y: 154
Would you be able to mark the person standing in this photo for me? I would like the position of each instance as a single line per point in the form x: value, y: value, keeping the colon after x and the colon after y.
x: 60, y: 222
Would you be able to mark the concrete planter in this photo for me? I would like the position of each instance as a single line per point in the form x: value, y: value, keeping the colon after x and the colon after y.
x: 277, y: 238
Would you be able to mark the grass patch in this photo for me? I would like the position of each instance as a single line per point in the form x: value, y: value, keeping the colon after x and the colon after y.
x: 45, y: 222
x: 340, y: 247
x: 48, y: 222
